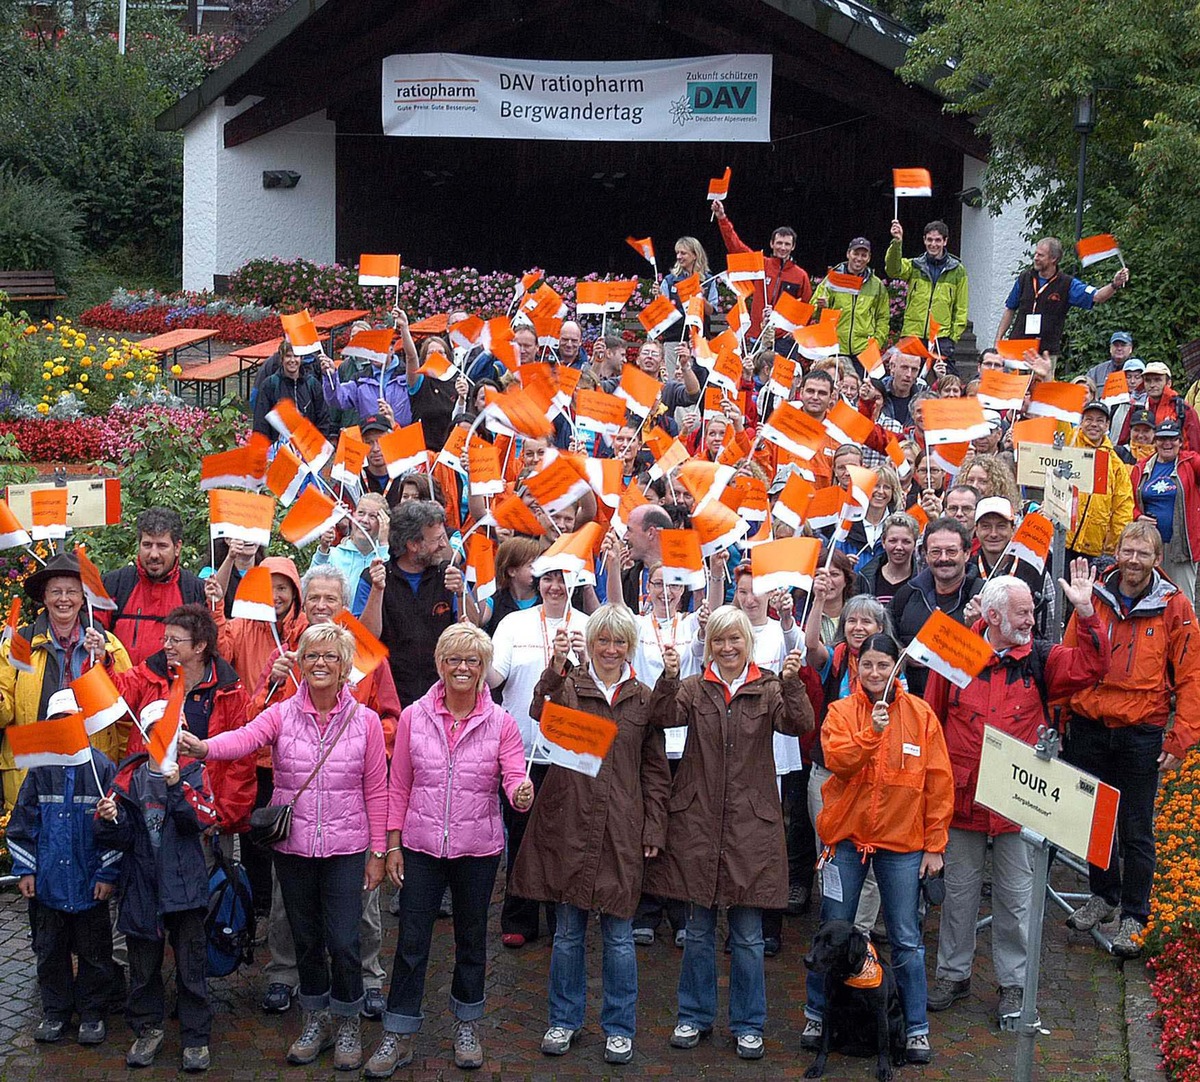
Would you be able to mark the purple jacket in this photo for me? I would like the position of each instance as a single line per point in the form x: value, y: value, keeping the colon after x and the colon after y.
x: 446, y: 802
x: 344, y: 809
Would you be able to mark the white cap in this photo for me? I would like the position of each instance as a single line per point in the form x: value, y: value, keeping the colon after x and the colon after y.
x: 61, y: 702
x: 151, y: 712
x: 994, y: 505
x: 993, y: 419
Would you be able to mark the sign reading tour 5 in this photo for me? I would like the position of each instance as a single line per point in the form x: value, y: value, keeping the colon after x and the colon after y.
x: 723, y: 98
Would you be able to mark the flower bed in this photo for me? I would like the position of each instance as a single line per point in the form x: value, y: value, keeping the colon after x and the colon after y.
x: 150, y: 312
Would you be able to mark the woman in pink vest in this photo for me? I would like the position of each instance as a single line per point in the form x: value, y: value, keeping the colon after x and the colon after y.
x: 454, y: 750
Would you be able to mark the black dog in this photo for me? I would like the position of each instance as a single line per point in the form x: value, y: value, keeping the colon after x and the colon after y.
x: 863, y: 1017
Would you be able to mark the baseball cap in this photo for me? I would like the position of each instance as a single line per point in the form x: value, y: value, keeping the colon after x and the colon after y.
x: 1141, y: 417
x: 993, y: 419
x: 1135, y: 364
x: 1121, y: 336
x: 375, y: 422
x: 1157, y: 368
x: 1168, y: 429
x: 859, y: 242
x: 1098, y: 405
x: 994, y: 505
x: 61, y: 702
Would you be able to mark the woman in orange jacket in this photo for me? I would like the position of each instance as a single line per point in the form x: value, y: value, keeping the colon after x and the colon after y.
x: 887, y: 807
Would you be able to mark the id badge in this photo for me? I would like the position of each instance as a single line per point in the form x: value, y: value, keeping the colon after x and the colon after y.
x: 1033, y: 324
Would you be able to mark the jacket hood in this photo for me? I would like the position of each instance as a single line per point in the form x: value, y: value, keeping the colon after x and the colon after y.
x: 285, y: 566
x: 923, y: 581
x: 226, y: 674
x: 922, y: 261
x: 1153, y: 601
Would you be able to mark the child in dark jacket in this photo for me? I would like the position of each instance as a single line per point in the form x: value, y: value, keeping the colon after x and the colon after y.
x: 68, y: 878
x: 156, y: 820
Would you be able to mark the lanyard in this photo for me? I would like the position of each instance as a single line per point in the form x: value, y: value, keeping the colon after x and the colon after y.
x: 547, y: 652
x: 1037, y: 293
x: 674, y: 631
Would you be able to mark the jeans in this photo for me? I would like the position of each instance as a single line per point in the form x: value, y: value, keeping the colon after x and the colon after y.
x: 471, y: 880
x: 147, y: 997
x: 868, y: 901
x: 86, y: 934
x: 1127, y: 759
x: 323, y: 898
x: 899, y: 889
x: 519, y: 916
x: 568, y: 972
x: 698, y: 974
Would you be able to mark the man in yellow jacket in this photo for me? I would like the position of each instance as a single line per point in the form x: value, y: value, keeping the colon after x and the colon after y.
x: 1102, y: 516
x: 937, y: 287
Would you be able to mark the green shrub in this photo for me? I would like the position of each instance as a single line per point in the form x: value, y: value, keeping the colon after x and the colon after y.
x: 39, y: 225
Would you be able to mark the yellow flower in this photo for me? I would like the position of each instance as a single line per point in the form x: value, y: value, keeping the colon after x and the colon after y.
x: 83, y: 378
x: 45, y: 375
x: 85, y: 362
x: 59, y: 370
x: 108, y: 375
x: 149, y: 377
x: 47, y: 364
x: 176, y: 370
x: 129, y: 375
x: 31, y: 329
x: 43, y: 408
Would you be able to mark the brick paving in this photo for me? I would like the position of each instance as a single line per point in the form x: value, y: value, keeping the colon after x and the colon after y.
x: 1082, y: 1001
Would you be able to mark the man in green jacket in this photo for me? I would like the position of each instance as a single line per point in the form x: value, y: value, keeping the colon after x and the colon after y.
x: 937, y: 286
x: 864, y: 314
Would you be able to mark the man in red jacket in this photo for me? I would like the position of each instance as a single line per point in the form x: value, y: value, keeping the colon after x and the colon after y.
x: 782, y: 273
x: 1013, y: 694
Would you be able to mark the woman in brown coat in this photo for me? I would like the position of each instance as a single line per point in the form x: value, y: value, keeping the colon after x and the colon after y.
x: 588, y: 836
x: 725, y: 843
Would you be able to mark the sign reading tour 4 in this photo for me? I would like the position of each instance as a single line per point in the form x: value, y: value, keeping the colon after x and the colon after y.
x: 717, y: 98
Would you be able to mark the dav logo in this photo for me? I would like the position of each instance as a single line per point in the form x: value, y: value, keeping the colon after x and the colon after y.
x: 723, y: 98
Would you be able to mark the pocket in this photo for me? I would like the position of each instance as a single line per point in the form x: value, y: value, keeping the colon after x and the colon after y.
x: 768, y: 809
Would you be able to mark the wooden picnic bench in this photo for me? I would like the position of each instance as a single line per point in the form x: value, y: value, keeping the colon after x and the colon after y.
x: 206, y: 382
x: 250, y: 359
x: 30, y: 287
x: 178, y: 341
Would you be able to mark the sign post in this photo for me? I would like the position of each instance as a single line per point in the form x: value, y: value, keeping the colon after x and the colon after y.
x: 1059, y: 506
x: 1055, y: 804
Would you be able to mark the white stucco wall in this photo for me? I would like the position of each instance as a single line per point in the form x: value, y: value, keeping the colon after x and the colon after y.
x: 994, y: 251
x: 228, y: 217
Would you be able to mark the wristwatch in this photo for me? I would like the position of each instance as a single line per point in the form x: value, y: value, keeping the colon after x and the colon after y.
x: 377, y: 855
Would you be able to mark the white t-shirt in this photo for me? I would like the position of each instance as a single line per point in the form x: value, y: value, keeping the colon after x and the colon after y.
x: 771, y: 645
x: 684, y: 630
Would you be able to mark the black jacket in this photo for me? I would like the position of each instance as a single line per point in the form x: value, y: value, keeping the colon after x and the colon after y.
x: 411, y: 626
x: 304, y: 390
x: 914, y: 602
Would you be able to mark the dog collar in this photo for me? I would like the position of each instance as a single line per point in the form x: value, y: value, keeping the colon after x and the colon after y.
x: 871, y: 974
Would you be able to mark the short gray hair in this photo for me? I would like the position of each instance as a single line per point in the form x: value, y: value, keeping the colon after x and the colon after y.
x: 409, y: 521
x: 329, y: 573
x: 998, y: 591
x: 867, y: 605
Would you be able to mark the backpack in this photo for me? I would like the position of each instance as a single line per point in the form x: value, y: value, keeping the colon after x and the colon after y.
x: 229, y: 924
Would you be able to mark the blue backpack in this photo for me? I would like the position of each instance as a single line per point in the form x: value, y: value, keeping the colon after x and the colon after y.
x: 229, y: 925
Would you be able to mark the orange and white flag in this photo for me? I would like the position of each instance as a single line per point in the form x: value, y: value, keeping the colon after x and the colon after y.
x: 846, y: 425
x: 826, y: 508
x: 748, y: 497
x: 1002, y: 390
x: 599, y: 412
x: 349, y: 458
x: 791, y: 508
x: 706, y: 481
x: 483, y: 469
x: 451, y: 453
x: 908, y: 182
x: 1034, y: 430
x: 790, y: 428
x: 369, y: 652
x: 293, y: 426
x: 682, y: 561
x: 480, y: 566
x: 20, y: 655
x: 1093, y: 249
x: 789, y: 563
x: 513, y: 513
x: 861, y: 486
x: 98, y: 699
x: 404, y: 449
x: 244, y: 515
x: 164, y: 733
x: 830, y: 316
x: 639, y: 390
x: 573, y: 739
x: 548, y: 329
x: 718, y: 187
x: 12, y: 533
x: 310, y: 516
x: 48, y: 511
x: 745, y: 267
x: 952, y: 420
x: 946, y: 647
x: 1062, y: 401
x: 619, y: 294
x: 718, y: 527
x: 840, y: 282
x: 714, y: 402
x: 286, y: 475
x: 1032, y: 540
x: 658, y: 315
x: 687, y: 288
x: 783, y: 376
x: 789, y: 313
x: 301, y: 332
x: 693, y: 317
x: 605, y: 475
x: 914, y: 347
x: 573, y: 555
x: 1013, y: 351
x: 1116, y: 390
x: 896, y: 457
x: 590, y: 298
x: 61, y: 742
x: 465, y: 332
x: 949, y: 457
x: 373, y: 346
x: 557, y: 485
x: 633, y: 497
x: 871, y: 360
x: 438, y: 366
x: 255, y: 597
x: 93, y: 584
x: 726, y: 372
x: 515, y: 413
x: 644, y: 246
x: 242, y: 467
x: 818, y: 341
x: 545, y: 302
x: 673, y: 456
x: 379, y: 270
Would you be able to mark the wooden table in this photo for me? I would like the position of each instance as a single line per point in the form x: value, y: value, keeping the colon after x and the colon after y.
x: 249, y: 358
x: 176, y: 342
x: 337, y: 317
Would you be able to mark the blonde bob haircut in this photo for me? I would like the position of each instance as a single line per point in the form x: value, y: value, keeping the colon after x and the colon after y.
x: 460, y: 639
x: 616, y: 622
x: 322, y: 635
x: 724, y: 620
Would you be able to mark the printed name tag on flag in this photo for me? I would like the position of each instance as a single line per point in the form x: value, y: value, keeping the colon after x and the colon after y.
x: 48, y: 514
x: 247, y: 516
x: 1116, y: 390
x: 658, y: 315
x: 574, y: 739
x: 1002, y: 390
x: 60, y: 742
x: 945, y: 646
x: 1031, y: 542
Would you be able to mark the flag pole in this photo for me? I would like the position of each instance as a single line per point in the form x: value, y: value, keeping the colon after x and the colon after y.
x: 92, y: 764
x: 91, y: 623
x: 895, y: 206
x: 279, y: 645
x: 895, y: 672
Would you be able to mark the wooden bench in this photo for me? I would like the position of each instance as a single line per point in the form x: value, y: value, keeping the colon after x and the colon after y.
x: 179, y: 341
x: 206, y: 382
x: 250, y: 359
x: 31, y: 287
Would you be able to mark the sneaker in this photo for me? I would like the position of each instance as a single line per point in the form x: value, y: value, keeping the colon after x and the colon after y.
x: 749, y: 1046
x: 681, y: 938
x: 348, y: 1052
x: 1127, y: 942
x: 1094, y: 911
x: 277, y: 999
x: 92, y: 1032
x: 917, y: 1050
x: 685, y: 1035
x: 945, y: 992
x: 468, y: 1052
x: 446, y: 908
x: 798, y: 900
x: 643, y: 937
x: 771, y: 946
x: 513, y: 940
x: 144, y: 1049
x: 810, y: 1039
x: 618, y: 1049
x: 196, y: 1058
x: 316, y: 1035
x: 48, y: 1031
x: 557, y: 1041
x: 394, y: 1051
x: 374, y: 1003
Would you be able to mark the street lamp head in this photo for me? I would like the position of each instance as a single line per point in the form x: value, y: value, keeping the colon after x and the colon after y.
x: 1085, y: 113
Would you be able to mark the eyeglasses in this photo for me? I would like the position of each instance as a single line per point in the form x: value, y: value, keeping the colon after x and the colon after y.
x: 459, y: 662
x: 329, y: 659
x: 170, y: 640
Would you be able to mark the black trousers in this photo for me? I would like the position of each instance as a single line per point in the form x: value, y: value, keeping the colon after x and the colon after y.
x: 146, y: 1006
x: 519, y: 916
x: 57, y: 936
x: 256, y: 859
x: 801, y: 843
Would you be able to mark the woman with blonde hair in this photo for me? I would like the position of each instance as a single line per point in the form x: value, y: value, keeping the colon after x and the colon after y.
x: 865, y: 540
x: 690, y: 258
x: 991, y: 477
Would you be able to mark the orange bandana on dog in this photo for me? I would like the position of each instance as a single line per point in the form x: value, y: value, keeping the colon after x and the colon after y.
x: 871, y: 974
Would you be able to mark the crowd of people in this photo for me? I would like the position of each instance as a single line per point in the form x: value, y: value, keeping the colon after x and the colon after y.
x: 768, y: 742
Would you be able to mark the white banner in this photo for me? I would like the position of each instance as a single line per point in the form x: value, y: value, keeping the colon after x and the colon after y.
x: 710, y: 98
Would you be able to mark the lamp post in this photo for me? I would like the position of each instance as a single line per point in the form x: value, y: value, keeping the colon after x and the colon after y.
x: 1085, y: 123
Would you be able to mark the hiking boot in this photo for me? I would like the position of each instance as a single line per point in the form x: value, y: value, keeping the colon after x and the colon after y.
x: 618, y: 1049
x: 92, y: 1032
x: 196, y: 1058
x: 395, y: 1050
x: 772, y: 945
x: 557, y: 1041
x: 374, y: 1003
x: 144, y: 1049
x: 945, y: 992
x: 1094, y: 911
x: 1127, y: 942
x: 810, y: 1039
x: 347, y: 1052
x: 681, y: 937
x: 749, y: 1046
x: 316, y: 1035
x: 643, y: 937
x: 277, y: 999
x: 686, y: 1035
x: 468, y: 1052
x: 48, y: 1031
x: 917, y: 1050
x: 1008, y: 1013
x: 798, y: 901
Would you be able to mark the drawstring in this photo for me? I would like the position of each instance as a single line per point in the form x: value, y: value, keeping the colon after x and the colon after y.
x: 866, y: 851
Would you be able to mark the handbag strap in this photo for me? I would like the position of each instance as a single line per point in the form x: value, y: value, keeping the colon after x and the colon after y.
x: 321, y: 761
